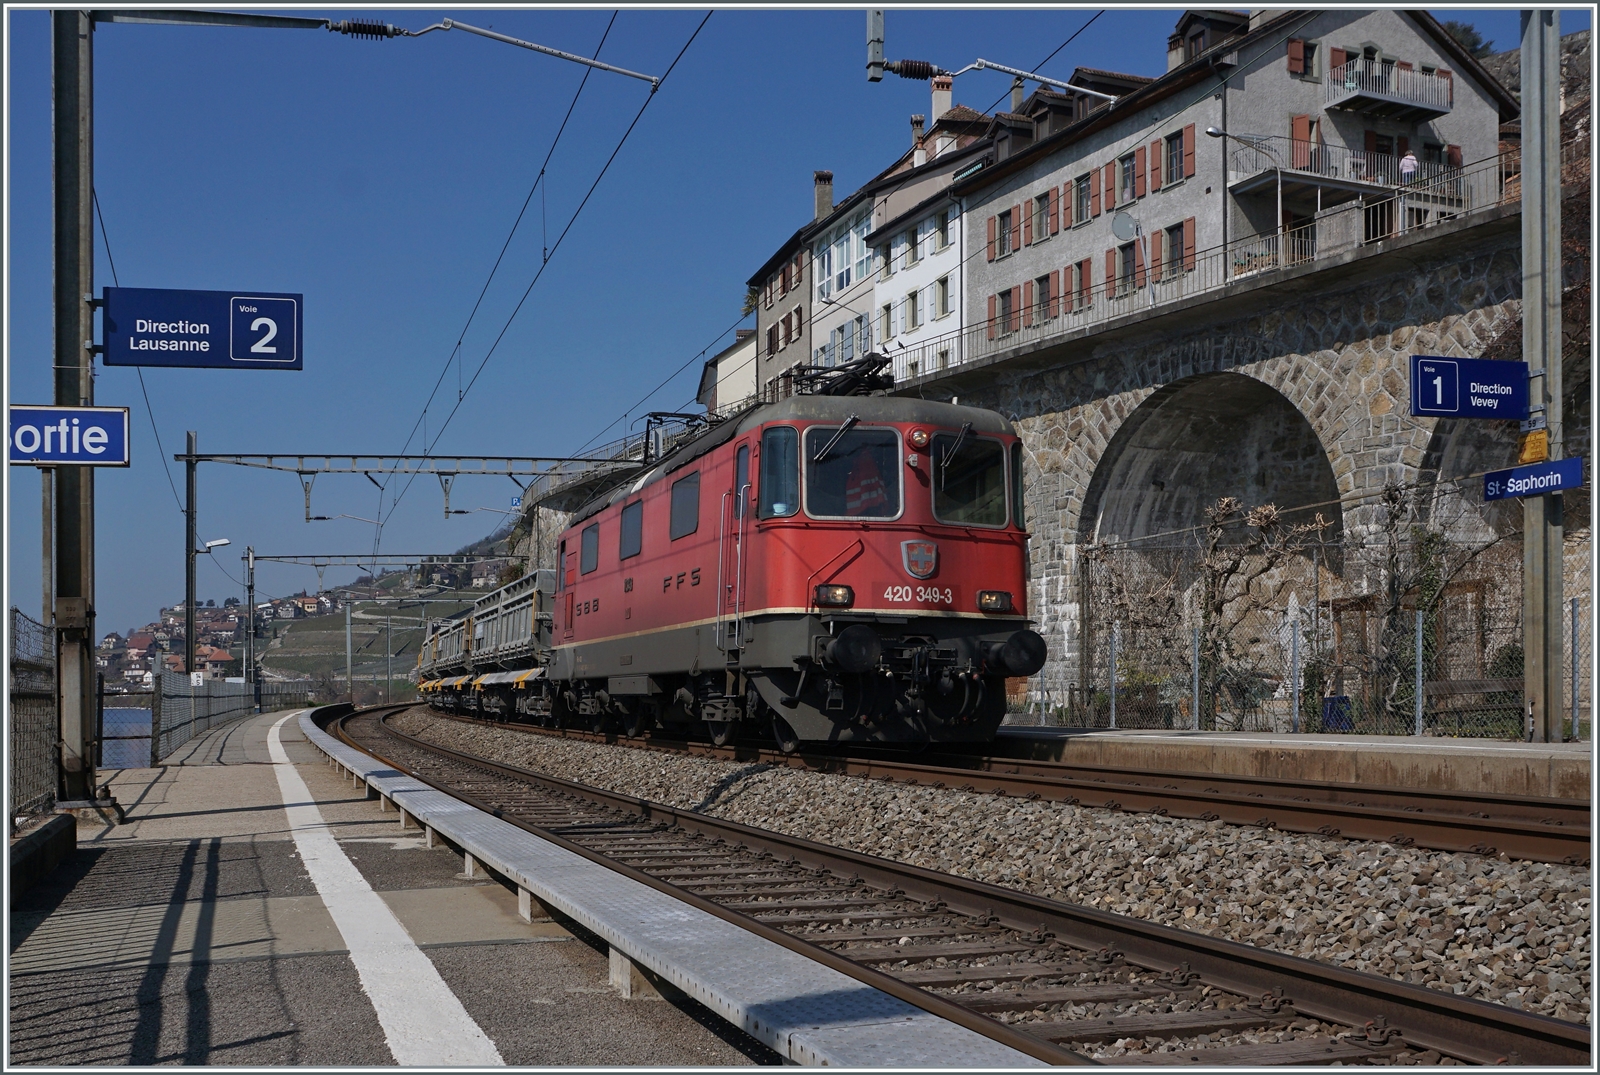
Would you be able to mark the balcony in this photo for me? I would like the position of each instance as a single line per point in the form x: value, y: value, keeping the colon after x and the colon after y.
x: 1333, y: 173
x: 1386, y: 91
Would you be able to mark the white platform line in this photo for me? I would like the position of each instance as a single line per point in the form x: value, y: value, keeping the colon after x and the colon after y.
x: 424, y: 1023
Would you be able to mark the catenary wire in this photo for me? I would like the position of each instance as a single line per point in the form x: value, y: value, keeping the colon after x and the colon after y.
x: 149, y: 411
x: 557, y: 245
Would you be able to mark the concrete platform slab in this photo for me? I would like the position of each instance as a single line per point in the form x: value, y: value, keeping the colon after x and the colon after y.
x: 1545, y: 770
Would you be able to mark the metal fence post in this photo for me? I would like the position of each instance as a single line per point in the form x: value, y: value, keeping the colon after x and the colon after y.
x: 1294, y: 675
x: 1417, y: 681
x: 1576, y: 655
x: 155, y: 722
x: 1196, y: 679
x: 1116, y: 633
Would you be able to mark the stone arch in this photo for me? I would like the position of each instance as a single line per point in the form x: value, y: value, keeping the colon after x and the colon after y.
x: 1196, y: 440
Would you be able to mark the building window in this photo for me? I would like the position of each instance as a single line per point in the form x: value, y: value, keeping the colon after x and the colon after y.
x: 886, y: 259
x: 886, y: 322
x: 1125, y: 268
x: 941, y: 293
x: 913, y: 248
x: 1172, y: 251
x: 824, y: 272
x: 1127, y: 185
x: 1310, y: 69
x: 772, y: 339
x: 685, y: 518
x: 1003, y: 235
x: 589, y: 550
x: 1041, y: 217
x: 1080, y: 199
x: 796, y: 315
x: 1005, y: 311
x: 1044, y: 304
x: 1174, y: 158
x: 788, y: 333
x: 913, y: 308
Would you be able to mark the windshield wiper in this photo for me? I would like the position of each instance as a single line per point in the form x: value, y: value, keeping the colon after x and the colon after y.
x: 827, y: 449
x: 944, y: 460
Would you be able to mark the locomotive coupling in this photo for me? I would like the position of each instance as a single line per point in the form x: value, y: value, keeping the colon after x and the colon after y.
x: 857, y: 649
x: 1023, y: 654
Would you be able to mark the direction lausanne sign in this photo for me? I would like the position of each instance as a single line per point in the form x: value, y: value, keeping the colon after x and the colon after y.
x: 1468, y: 388
x: 1534, y: 479
x: 210, y: 329
x: 69, y: 436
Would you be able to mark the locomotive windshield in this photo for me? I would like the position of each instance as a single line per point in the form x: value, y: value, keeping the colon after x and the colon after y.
x: 969, y: 485
x: 858, y: 476
x: 780, y: 472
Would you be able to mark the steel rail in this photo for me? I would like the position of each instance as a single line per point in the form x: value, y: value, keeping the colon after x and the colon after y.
x: 921, y: 998
x: 1542, y: 830
x: 1468, y: 1029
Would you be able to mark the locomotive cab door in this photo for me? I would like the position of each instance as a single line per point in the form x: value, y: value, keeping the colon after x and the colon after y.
x: 734, y: 566
x: 569, y: 578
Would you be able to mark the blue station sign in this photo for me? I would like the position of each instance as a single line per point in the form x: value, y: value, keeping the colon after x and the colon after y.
x: 1468, y: 388
x: 147, y: 326
x: 69, y: 436
x: 1535, y: 478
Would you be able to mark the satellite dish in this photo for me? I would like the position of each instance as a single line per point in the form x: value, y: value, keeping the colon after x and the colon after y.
x: 1123, y: 227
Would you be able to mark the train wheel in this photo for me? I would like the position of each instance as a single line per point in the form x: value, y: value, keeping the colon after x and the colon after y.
x: 637, y: 720
x: 787, y: 739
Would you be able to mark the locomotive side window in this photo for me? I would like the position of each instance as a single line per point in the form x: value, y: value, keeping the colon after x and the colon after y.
x: 969, y: 480
x: 564, y: 577
x: 685, y: 506
x: 1017, y: 515
x: 741, y: 478
x: 590, y: 556
x: 780, y: 472
x: 852, y: 473
x: 632, y: 530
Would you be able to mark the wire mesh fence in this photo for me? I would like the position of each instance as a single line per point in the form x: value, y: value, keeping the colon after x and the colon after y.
x: 33, y: 721
x: 1417, y: 634
x: 182, y: 709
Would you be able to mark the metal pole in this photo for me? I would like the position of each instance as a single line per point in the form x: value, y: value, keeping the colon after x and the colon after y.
x: 47, y: 511
x: 388, y: 682
x: 1577, y: 652
x: 72, y: 105
x: 349, y: 679
x: 1116, y: 636
x: 1541, y: 348
x: 1294, y: 675
x: 1196, y: 678
x: 1416, y: 683
x: 189, y: 466
x: 250, y: 677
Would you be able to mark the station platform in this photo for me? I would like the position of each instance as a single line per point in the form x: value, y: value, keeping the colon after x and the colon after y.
x: 1469, y: 766
x: 196, y: 934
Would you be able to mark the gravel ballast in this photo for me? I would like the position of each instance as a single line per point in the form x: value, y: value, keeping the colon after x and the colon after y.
x: 1512, y: 932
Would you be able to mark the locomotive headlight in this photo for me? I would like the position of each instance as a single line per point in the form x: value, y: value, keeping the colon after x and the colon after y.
x: 835, y: 596
x: 918, y: 439
x: 994, y: 601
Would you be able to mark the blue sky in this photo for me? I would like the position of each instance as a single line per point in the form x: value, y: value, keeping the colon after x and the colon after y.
x: 380, y: 179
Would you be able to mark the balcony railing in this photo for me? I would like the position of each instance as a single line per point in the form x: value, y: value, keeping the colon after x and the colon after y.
x: 1259, y: 153
x: 1390, y: 83
x: 1423, y: 203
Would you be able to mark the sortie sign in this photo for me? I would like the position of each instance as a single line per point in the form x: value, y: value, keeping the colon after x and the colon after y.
x: 1534, y: 479
x: 210, y: 329
x: 68, y: 436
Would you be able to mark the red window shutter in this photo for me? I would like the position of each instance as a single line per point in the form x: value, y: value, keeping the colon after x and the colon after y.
x: 1370, y: 143
x: 1188, y: 151
x: 1155, y: 165
x: 1016, y: 226
x: 1450, y: 84
x: 1297, y: 57
x: 1403, y: 144
x: 1138, y: 265
x: 1139, y: 168
x: 1111, y: 272
x: 1155, y: 255
x: 1027, y: 304
x: 1403, y: 66
x: 1094, y: 193
x: 1336, y: 59
x: 1055, y: 210
x: 1300, y: 141
x: 991, y: 243
x: 991, y: 311
x: 1027, y: 227
x: 1452, y: 156
x: 1188, y: 245
x: 1085, y: 279
x: 1109, y: 182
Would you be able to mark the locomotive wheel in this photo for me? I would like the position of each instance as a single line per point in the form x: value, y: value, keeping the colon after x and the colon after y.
x: 720, y: 732
x: 637, y: 720
x: 787, y: 738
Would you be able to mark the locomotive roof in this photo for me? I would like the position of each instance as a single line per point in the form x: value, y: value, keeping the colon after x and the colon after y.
x: 816, y: 408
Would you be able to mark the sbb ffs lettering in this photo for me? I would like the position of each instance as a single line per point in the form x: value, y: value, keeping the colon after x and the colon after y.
x: 693, y: 575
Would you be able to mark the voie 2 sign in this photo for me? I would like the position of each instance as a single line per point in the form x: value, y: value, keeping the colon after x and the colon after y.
x: 68, y: 436
x: 210, y: 329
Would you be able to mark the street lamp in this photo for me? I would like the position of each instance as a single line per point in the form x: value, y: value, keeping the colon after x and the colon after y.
x: 1277, y: 167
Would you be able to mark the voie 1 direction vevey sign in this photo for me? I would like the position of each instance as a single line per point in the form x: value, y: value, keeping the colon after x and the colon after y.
x: 1468, y: 388
x: 212, y: 329
x: 69, y: 436
x: 1551, y: 476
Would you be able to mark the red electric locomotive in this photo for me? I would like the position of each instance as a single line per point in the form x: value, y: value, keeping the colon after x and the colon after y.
x: 825, y: 568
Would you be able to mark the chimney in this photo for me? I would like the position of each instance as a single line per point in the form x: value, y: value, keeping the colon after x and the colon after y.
x: 1016, y: 94
x: 824, y: 181
x: 941, y: 95
x: 1174, y: 52
x: 919, y: 155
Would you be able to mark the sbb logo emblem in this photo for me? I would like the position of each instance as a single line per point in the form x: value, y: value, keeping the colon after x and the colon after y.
x: 921, y: 558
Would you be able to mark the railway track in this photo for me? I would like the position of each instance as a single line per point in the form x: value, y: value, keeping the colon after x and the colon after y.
x: 1049, y: 978
x: 1541, y: 830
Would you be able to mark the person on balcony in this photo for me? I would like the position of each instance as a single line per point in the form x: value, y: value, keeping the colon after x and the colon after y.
x: 1408, y: 168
